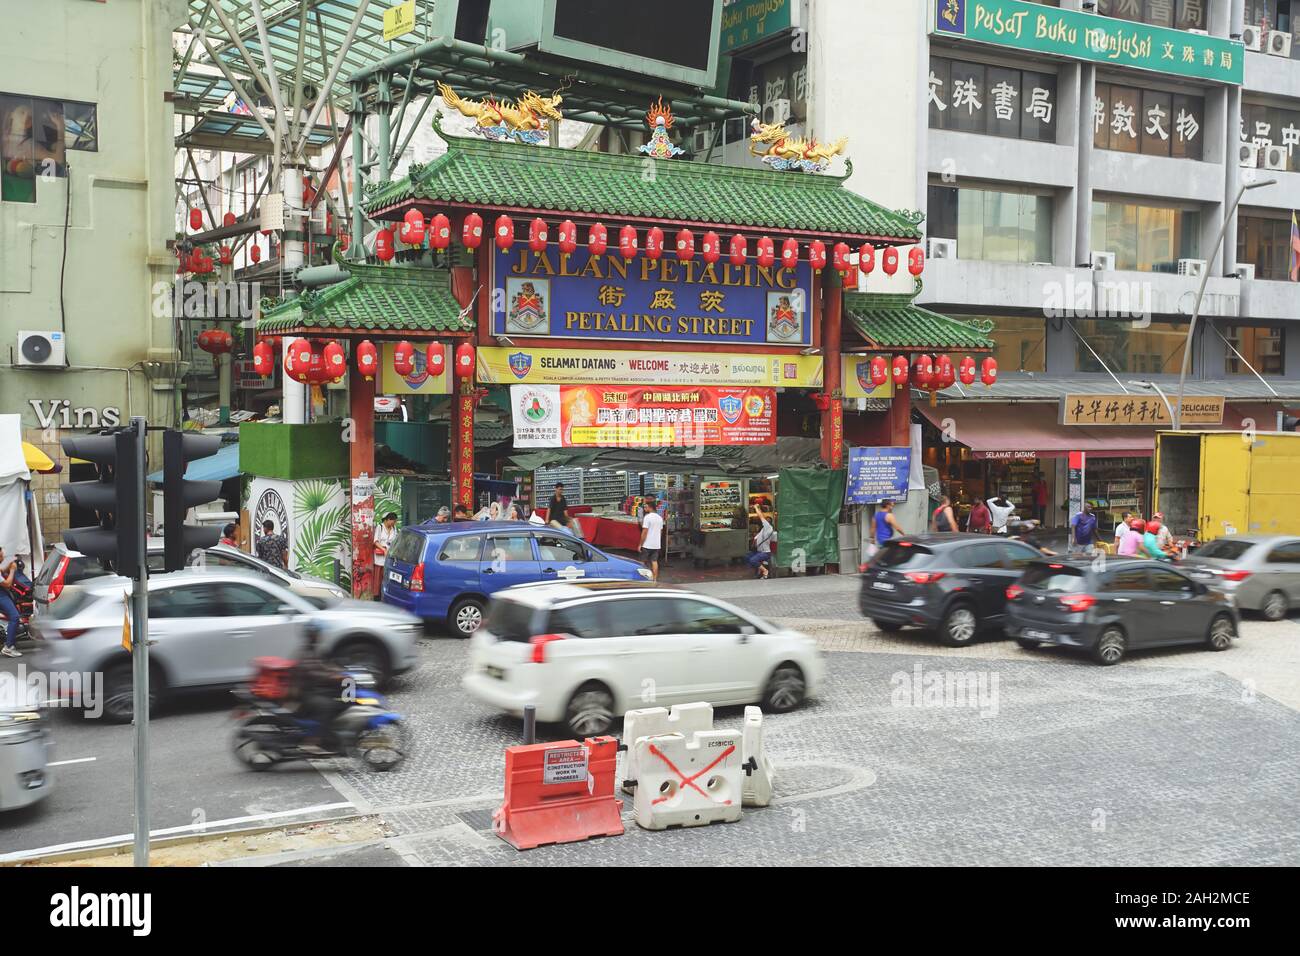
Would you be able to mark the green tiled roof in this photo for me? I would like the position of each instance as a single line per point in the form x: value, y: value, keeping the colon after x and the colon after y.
x: 393, y: 298
x: 481, y: 173
x: 895, y: 322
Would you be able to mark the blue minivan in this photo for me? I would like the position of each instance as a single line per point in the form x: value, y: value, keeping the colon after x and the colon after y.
x: 447, y: 572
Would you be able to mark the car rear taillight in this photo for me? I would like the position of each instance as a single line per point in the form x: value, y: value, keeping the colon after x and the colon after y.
x: 923, y: 577
x: 1014, y: 592
x: 417, y: 578
x: 71, y: 632
x: 1236, y: 575
x: 539, y: 642
x: 863, y: 566
x: 56, y: 585
x: 1077, y: 603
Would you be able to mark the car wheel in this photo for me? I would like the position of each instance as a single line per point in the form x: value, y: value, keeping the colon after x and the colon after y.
x: 786, y: 689
x: 119, y: 694
x: 363, y: 656
x: 889, y: 627
x: 466, y: 616
x: 959, y: 626
x: 590, y: 712
x: 1222, y: 631
x: 1029, y: 645
x: 1111, y: 647
x: 1275, y: 606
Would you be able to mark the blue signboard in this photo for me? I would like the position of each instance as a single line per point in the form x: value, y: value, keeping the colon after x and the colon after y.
x: 876, y: 474
x: 584, y: 297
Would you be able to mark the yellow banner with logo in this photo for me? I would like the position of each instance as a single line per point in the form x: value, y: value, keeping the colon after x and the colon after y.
x: 855, y: 377
x: 419, y: 382
x: 399, y: 20
x: 526, y: 366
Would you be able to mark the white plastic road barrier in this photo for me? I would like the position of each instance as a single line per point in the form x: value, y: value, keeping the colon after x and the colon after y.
x: 688, y: 782
x: 759, y: 772
x: 684, y: 719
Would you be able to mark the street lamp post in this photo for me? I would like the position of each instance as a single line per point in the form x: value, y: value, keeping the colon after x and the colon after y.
x: 1177, y: 410
x: 1159, y: 391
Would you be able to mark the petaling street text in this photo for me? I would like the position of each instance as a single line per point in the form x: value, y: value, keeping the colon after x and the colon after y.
x: 548, y: 263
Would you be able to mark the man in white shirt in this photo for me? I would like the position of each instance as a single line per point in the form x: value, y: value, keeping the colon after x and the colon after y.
x: 385, y: 535
x: 1000, y: 509
x: 652, y: 536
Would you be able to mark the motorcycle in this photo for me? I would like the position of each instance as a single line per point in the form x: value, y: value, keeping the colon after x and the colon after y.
x: 270, y: 732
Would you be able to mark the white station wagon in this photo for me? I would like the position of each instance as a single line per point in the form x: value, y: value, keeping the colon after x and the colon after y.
x: 584, y: 653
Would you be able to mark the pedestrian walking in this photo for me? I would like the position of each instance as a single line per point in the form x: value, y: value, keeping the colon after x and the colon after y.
x: 1000, y: 510
x: 230, y: 534
x: 942, y: 518
x: 652, y: 530
x: 1083, y: 529
x: 980, y: 520
x: 886, y: 525
x: 271, y: 547
x: 385, y: 535
x: 1040, y: 499
x: 1121, y: 528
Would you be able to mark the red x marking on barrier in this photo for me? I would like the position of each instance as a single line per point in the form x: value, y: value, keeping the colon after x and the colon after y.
x: 690, y: 781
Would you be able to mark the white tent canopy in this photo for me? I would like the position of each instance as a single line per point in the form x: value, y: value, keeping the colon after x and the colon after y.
x: 15, y: 536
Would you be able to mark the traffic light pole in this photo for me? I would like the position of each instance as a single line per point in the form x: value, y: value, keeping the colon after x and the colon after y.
x: 140, y: 655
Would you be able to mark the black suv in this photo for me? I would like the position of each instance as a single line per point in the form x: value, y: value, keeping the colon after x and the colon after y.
x: 951, y: 583
x: 1109, y: 607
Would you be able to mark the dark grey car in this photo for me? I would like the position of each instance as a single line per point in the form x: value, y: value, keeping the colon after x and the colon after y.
x: 1115, y: 606
x: 1260, y: 571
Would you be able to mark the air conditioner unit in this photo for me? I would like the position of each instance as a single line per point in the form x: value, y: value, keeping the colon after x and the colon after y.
x: 1246, y: 272
x: 941, y: 248
x: 700, y: 139
x: 1191, y: 267
x: 1248, y: 154
x: 1251, y: 39
x: 1102, y: 261
x: 1279, y: 43
x: 41, y: 350
x: 1275, y: 157
x: 778, y: 110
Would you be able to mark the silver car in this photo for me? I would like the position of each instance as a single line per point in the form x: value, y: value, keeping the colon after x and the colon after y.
x: 24, y: 745
x: 205, y: 628
x: 1261, y: 571
x: 65, y: 569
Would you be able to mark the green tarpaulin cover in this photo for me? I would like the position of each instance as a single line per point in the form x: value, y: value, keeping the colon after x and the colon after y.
x: 809, y: 501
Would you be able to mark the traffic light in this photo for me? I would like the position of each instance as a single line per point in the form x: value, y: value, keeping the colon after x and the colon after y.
x: 114, y: 496
x: 180, y: 495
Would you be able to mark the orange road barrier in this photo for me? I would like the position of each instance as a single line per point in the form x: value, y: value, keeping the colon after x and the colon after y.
x: 559, y: 793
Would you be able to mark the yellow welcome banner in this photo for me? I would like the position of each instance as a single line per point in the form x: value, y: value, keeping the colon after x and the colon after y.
x: 522, y: 366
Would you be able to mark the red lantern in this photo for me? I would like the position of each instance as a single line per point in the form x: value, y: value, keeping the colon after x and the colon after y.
x: 413, y: 218
x: 384, y: 244
x: 850, y: 278
x: 943, y: 372
x: 196, y: 219
x: 840, y: 256
x: 404, y: 358
x: 367, y: 360
x: 537, y: 235
x: 568, y: 237
x: 204, y: 340
x: 817, y: 253
x: 879, y: 371
x: 685, y: 245
x: 405, y: 234
x: 900, y: 370
x: 504, y: 231
x: 966, y: 371
x: 597, y: 239
x: 317, y: 374
x: 739, y: 250
x: 227, y: 255
x: 989, y: 371
x: 471, y: 232
x: 766, y: 252
x: 263, y: 359
x: 890, y: 264
x: 336, y: 363
x: 435, y: 359
x: 297, y: 361
x: 439, y: 232
x: 228, y: 219
x: 789, y: 253
x: 654, y: 242
x: 923, y: 371
x: 916, y: 260
x: 627, y: 242
x: 414, y: 229
x: 255, y: 253
x: 867, y: 257
x: 464, y: 360
x: 712, y: 247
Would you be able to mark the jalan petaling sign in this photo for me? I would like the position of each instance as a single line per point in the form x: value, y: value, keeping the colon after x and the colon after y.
x: 581, y: 296
x: 1091, y: 37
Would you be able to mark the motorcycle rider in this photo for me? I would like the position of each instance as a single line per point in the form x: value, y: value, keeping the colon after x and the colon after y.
x: 317, y: 686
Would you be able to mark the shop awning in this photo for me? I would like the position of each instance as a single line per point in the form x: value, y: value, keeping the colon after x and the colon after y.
x: 1033, y: 431
x: 224, y: 464
x: 894, y: 321
x: 36, y: 459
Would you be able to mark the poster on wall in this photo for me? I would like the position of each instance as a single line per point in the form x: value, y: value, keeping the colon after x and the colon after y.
x: 363, y: 536
x: 419, y: 382
x: 581, y: 416
x: 878, y: 473
x: 856, y: 380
